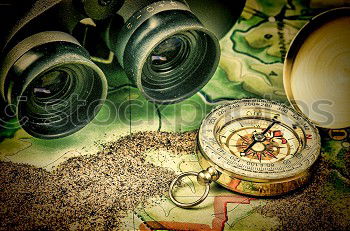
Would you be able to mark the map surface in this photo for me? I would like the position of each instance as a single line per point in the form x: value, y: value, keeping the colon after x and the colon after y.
x: 250, y: 67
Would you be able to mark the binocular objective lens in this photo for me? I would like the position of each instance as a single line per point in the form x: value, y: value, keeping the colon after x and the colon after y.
x: 53, y: 83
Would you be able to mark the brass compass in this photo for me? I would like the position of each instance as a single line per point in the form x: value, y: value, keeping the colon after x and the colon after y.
x: 254, y: 147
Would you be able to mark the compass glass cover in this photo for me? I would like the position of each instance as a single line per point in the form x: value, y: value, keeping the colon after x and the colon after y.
x: 258, y: 139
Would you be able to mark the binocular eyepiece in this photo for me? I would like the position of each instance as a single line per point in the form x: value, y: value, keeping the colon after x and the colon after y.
x: 164, y: 49
x: 55, y: 89
x: 52, y: 85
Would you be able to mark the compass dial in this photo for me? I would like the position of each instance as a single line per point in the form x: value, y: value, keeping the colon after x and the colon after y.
x: 258, y: 140
x: 279, y: 143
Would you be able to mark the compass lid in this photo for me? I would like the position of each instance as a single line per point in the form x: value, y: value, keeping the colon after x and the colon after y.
x: 316, y: 73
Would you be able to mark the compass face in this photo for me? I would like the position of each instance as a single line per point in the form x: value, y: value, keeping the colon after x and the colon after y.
x: 279, y: 143
x: 259, y: 139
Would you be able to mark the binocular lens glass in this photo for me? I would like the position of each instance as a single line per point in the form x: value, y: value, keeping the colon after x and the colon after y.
x: 61, y: 100
x: 51, y: 85
x: 168, y: 54
x: 179, y: 66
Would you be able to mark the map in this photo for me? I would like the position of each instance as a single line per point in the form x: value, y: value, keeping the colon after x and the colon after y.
x: 250, y: 67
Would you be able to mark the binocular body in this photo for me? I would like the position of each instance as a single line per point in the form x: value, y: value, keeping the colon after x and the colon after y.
x: 47, y: 78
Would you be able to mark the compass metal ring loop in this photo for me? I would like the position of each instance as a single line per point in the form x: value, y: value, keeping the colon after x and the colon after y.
x: 187, y: 205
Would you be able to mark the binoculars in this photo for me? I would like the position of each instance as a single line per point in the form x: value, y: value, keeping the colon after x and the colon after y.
x: 54, y: 88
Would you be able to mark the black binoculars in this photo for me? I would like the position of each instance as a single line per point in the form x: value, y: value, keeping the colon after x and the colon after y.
x: 50, y: 83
